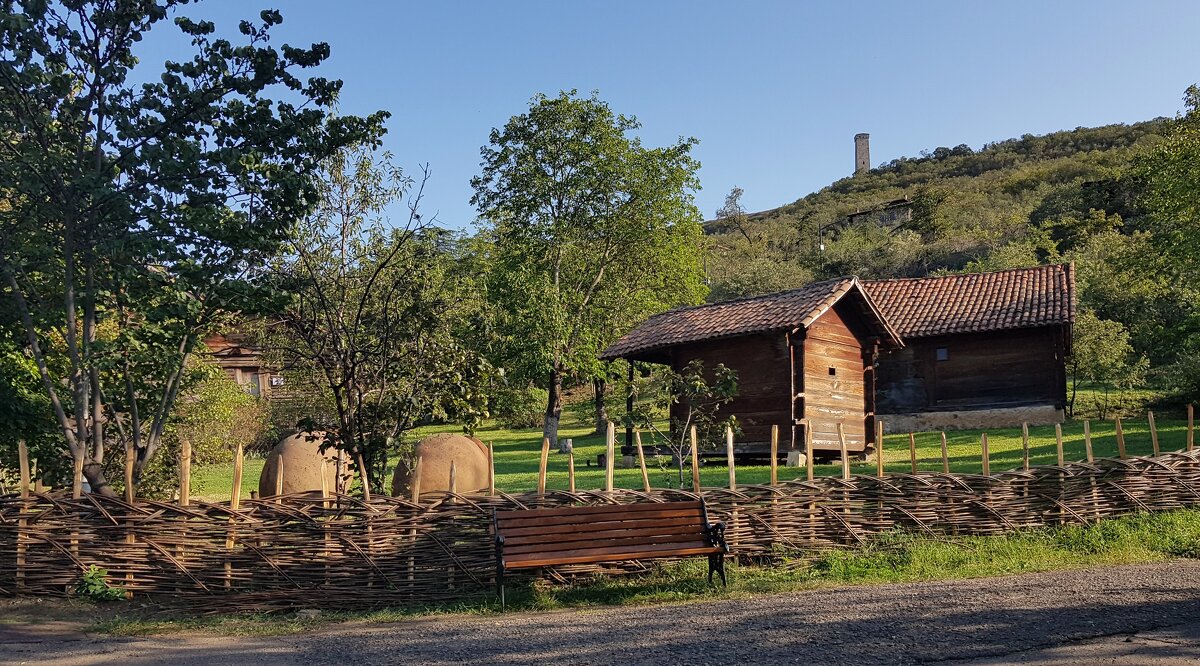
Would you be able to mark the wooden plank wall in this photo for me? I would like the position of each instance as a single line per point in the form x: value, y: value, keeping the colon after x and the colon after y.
x: 834, y: 381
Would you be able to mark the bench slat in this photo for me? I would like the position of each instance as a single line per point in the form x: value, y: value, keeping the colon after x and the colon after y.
x: 619, y: 532
x: 592, y: 519
x: 607, y: 525
x: 623, y: 509
x: 609, y: 544
x: 591, y: 556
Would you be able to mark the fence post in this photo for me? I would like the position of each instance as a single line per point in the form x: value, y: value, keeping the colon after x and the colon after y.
x: 774, y: 454
x: 571, y: 468
x: 845, y: 453
x: 879, y: 448
x: 912, y: 451
x: 77, y: 482
x: 1059, y: 443
x: 545, y: 460
x: 808, y: 449
x: 1120, y: 439
x: 491, y: 470
x: 1087, y: 440
x: 22, y: 522
x: 1025, y: 446
x: 945, y: 455
x: 611, y: 446
x: 185, y: 472
x: 641, y: 453
x: 453, y: 489
x: 1153, y: 432
x: 279, y: 478
x: 983, y: 445
x: 729, y: 458
x: 695, y: 461
x: 130, y: 459
x: 414, y: 483
x: 1190, y: 431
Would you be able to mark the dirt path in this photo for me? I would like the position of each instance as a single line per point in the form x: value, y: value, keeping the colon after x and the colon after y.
x: 1148, y: 614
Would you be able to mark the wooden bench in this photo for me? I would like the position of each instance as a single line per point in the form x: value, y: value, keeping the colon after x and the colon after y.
x: 531, y: 538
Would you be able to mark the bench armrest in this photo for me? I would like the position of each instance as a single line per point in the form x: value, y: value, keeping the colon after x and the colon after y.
x: 716, y: 535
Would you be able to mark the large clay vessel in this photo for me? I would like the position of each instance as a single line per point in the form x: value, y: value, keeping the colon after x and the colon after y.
x: 470, y: 458
x: 301, y: 458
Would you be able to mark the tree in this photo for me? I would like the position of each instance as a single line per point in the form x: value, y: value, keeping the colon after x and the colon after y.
x: 139, y: 213
x: 1101, y: 354
x: 372, y: 319
x: 693, y: 397
x: 592, y: 232
x: 1171, y: 176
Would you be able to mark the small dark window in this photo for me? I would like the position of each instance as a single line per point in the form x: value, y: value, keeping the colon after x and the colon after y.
x: 833, y: 372
x: 943, y: 354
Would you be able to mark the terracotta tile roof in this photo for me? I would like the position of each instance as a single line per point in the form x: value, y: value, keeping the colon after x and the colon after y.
x: 785, y: 310
x: 1003, y: 300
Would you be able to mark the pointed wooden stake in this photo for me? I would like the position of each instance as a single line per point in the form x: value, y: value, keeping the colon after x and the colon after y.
x: 695, y: 461
x: 637, y: 440
x: 130, y: 459
x: 235, y: 495
x: 879, y: 448
x: 945, y: 455
x: 841, y: 431
x: 729, y: 458
x: 1153, y: 432
x: 453, y: 489
x: 774, y: 455
x: 77, y: 484
x: 1025, y: 446
x: 185, y: 472
x: 414, y: 484
x: 912, y: 451
x: 808, y: 450
x: 541, y: 487
x: 491, y: 470
x: 1120, y: 439
x: 983, y: 444
x: 1191, y: 437
x: 1059, y: 444
x: 278, y: 478
x: 610, y: 442
x: 1087, y: 440
x: 22, y: 522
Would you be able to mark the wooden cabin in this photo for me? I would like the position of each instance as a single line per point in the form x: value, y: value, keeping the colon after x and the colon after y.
x: 242, y: 361
x: 802, y: 356
x: 980, y: 350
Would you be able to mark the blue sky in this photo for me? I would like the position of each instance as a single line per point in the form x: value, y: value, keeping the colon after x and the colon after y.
x: 774, y: 91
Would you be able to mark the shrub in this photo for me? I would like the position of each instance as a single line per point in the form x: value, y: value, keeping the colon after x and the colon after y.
x: 93, y: 585
x: 520, y: 407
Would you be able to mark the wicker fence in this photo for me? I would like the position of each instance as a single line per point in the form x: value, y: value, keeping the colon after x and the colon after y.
x: 342, y: 553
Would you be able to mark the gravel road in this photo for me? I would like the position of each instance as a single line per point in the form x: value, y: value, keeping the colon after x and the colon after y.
x: 1145, y: 614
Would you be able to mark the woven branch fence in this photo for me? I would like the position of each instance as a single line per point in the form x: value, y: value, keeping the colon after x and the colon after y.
x: 342, y: 553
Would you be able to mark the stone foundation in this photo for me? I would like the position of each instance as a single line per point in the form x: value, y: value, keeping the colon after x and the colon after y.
x: 1007, y: 417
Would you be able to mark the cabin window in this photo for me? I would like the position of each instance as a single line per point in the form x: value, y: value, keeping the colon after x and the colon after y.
x: 833, y: 372
x: 943, y: 354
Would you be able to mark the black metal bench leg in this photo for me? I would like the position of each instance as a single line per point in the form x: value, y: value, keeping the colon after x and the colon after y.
x: 716, y: 564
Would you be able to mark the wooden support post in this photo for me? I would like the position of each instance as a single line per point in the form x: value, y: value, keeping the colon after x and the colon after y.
x: 1191, y: 436
x: 983, y: 445
x: 1025, y: 446
x: 362, y: 474
x: 637, y: 440
x: 278, y: 478
x: 841, y: 431
x: 729, y: 458
x: 545, y: 460
x: 414, y: 485
x: 945, y: 455
x: 571, y: 469
x: 1120, y: 439
x: 235, y: 495
x: 1059, y: 444
x: 1153, y: 433
x: 130, y: 459
x: 491, y: 470
x: 185, y: 472
x: 22, y: 522
x: 610, y: 444
x: 879, y: 448
x: 695, y: 460
x: 912, y: 451
x: 774, y: 455
x: 453, y: 489
x: 808, y: 450
x: 1087, y: 440
x: 77, y: 483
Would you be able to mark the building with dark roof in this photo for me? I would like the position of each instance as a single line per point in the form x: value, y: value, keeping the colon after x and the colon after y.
x: 981, y: 350
x: 957, y: 351
x: 802, y: 356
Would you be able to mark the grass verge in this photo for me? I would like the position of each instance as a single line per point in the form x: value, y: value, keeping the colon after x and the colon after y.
x: 889, y: 558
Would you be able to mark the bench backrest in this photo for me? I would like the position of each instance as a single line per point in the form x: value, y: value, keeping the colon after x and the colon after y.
x: 567, y: 535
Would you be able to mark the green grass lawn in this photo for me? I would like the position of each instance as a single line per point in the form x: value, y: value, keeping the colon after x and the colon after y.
x: 517, y: 453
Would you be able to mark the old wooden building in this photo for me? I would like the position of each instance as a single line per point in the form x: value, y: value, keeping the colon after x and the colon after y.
x: 980, y: 350
x: 806, y: 354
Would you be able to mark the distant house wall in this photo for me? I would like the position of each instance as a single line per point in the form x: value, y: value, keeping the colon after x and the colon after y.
x: 994, y: 370
x: 834, y: 387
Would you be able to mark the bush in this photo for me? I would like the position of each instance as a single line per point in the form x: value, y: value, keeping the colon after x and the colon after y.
x: 93, y: 585
x: 522, y: 407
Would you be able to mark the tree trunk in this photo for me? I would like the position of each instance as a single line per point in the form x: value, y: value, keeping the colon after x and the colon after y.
x: 94, y: 473
x: 600, y: 389
x: 553, y: 407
